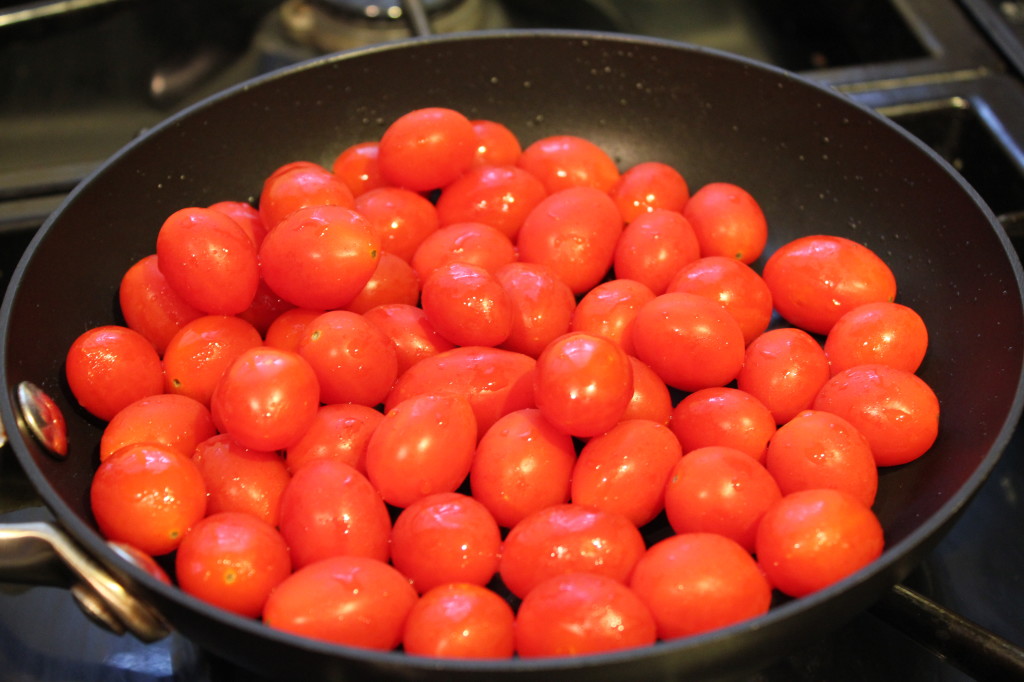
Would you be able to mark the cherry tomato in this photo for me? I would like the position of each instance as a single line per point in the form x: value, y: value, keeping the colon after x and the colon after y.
x: 467, y: 305
x: 650, y: 186
x: 884, y: 332
x: 582, y: 613
x: 320, y: 257
x: 468, y: 242
x: 202, y: 350
x: 329, y: 509
x: 246, y: 215
x: 240, y: 479
x: 565, y: 161
x: 689, y: 340
x: 402, y: 218
x: 784, y: 368
x: 496, y: 144
x: 298, y: 185
x: 148, y: 496
x: 140, y: 559
x: 816, y: 279
x: 811, y: 539
x: 423, y: 445
x: 568, y: 538
x: 350, y: 600
x: 445, y: 538
x: 393, y: 281
x: 340, y: 431
x: 609, y: 310
x: 232, y: 560
x: 460, y: 621
x: 413, y: 335
x: 499, y: 196
x: 176, y: 421
x: 717, y: 489
x: 266, y: 306
x: 651, y: 398
x: 728, y: 222
x: 574, y: 231
x: 209, y: 260
x: 109, y: 367
x: 625, y: 469
x: 583, y: 383
x: 426, y: 149
x: 266, y: 399
x: 356, y: 166
x: 653, y: 247
x: 354, y: 362
x: 896, y: 410
x: 542, y: 306
x: 150, y: 305
x: 699, y: 582
x: 722, y: 415
x: 818, y: 449
x: 522, y: 464
x: 287, y: 330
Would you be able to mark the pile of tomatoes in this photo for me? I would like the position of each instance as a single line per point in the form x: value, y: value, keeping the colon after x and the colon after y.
x: 472, y: 399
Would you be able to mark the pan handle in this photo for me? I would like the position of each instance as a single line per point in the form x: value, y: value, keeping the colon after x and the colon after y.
x: 39, y: 552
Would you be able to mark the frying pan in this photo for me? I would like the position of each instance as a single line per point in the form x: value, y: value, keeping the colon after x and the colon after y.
x: 815, y: 161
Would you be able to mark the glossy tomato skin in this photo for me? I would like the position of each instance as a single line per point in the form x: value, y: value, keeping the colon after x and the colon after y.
x: 811, y: 539
x: 150, y: 305
x: 356, y: 166
x: 349, y: 600
x: 653, y: 247
x: 566, y: 161
x: 610, y: 308
x: 109, y: 367
x: 784, y: 368
x: 885, y: 332
x: 699, y: 582
x: 266, y: 399
x: 240, y: 479
x: 410, y: 331
x: 329, y: 509
x: 582, y: 613
x: 583, y: 383
x: 651, y: 398
x: 728, y: 222
x: 475, y: 243
x: 286, y: 330
x: 726, y: 416
x: 299, y: 185
x: 467, y: 305
x: 246, y: 215
x: 647, y: 187
x: 176, y: 421
x: 542, y: 306
x: 426, y: 149
x: 499, y: 196
x: 339, y: 431
x: 148, y: 496
x: 201, y: 351
x: 495, y: 144
x: 232, y: 560
x: 402, y: 218
x: 460, y: 621
x: 393, y: 281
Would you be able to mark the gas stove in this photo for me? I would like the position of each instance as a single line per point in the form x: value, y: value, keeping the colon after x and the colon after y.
x: 81, y: 79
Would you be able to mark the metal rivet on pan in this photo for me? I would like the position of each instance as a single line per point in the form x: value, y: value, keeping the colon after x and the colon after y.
x: 43, y: 418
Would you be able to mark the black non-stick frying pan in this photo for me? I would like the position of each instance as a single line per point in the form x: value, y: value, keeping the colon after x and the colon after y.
x: 816, y: 162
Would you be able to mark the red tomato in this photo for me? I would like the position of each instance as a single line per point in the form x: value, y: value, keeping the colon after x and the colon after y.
x: 239, y: 479
x: 883, y: 332
x: 784, y: 369
x: 699, y: 582
x: 814, y: 538
x: 209, y: 260
x: 609, y: 310
x: 320, y: 257
x: 568, y: 538
x: 818, y: 449
x: 354, y: 361
x: 689, y: 340
x: 653, y: 247
x: 423, y: 445
x: 651, y: 398
x: 467, y: 242
x: 246, y: 215
x: 301, y: 184
x: 625, y: 469
x: 266, y: 399
x: 445, y: 538
x: 140, y: 559
x: 109, y: 367
x: 719, y: 490
x: 496, y: 144
x: 329, y: 509
x: 349, y: 600
x: 402, y: 218
x: 356, y: 166
x: 460, y: 621
x: 408, y: 328
x: 896, y: 410
x: 816, y: 279
x: 340, y: 431
x: 393, y: 281
x: 542, y: 306
x: 150, y: 305
x: 583, y: 383
x: 650, y: 186
x: 426, y: 149
x: 723, y: 415
x: 176, y: 421
x: 728, y: 222
x: 148, y: 496
x: 522, y: 464
x: 495, y: 381
x: 582, y: 613
x: 202, y: 350
x: 467, y: 305
x: 574, y: 231
x: 565, y: 161
x: 733, y: 284
x: 287, y: 330
x: 499, y: 196
x: 232, y: 560
x: 266, y: 306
